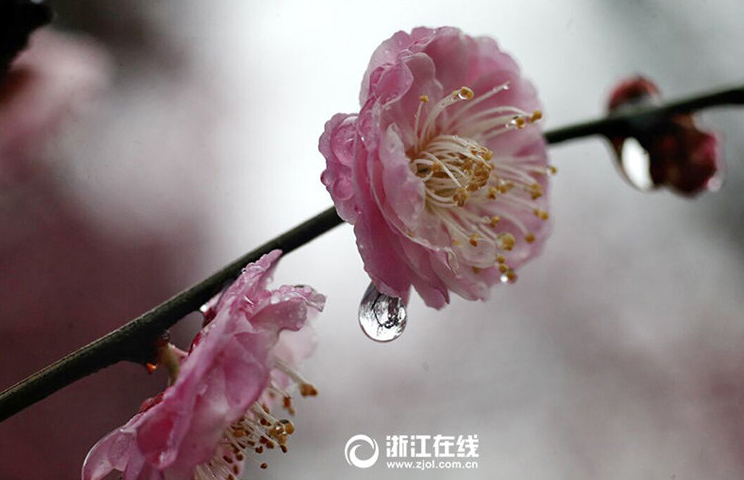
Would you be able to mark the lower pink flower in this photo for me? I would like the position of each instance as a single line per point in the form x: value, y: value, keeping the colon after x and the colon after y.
x: 217, y: 410
x: 441, y: 173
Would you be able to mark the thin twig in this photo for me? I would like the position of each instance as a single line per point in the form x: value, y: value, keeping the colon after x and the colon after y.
x: 134, y: 340
x: 621, y: 124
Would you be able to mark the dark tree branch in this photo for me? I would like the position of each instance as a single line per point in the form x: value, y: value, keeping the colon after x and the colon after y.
x: 134, y: 340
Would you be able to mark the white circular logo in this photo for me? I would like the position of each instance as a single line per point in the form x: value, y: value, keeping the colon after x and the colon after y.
x: 351, y: 448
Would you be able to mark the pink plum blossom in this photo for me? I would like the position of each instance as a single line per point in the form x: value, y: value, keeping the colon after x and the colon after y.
x: 680, y: 155
x: 442, y: 172
x: 217, y: 408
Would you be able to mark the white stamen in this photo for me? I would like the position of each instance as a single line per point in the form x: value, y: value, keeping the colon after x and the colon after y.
x: 452, y: 121
x: 467, y: 186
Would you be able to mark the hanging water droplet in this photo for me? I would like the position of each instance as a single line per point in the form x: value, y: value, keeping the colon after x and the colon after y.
x: 382, y: 318
x: 635, y: 165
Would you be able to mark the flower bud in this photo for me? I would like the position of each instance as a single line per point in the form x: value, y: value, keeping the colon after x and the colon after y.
x: 671, y: 151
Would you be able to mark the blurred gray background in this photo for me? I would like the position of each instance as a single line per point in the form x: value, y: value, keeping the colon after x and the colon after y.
x: 618, y: 354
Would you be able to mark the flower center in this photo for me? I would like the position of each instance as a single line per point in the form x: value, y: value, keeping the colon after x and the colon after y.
x: 467, y: 185
x: 453, y: 168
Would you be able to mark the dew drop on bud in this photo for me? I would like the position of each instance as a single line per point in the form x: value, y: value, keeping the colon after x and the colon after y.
x: 634, y: 164
x: 382, y: 318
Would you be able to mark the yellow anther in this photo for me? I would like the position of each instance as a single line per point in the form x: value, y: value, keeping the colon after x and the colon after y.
x: 495, y: 220
x: 507, y: 241
x: 536, y: 115
x: 474, y: 240
x: 460, y: 196
x: 551, y: 169
x: 424, y: 98
x: 276, y: 430
x: 535, y: 190
x: 464, y: 93
x: 503, y: 268
x: 529, y: 238
x: 289, y: 427
x: 492, y: 192
x: 541, y: 214
x: 501, y: 259
x: 307, y: 390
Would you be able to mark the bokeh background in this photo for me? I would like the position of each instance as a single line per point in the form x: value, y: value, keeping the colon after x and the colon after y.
x: 618, y: 354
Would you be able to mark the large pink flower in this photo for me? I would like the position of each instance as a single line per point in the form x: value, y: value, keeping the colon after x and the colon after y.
x: 441, y: 173
x: 216, y: 410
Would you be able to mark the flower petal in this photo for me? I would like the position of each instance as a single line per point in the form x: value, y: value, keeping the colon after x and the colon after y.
x: 226, y: 371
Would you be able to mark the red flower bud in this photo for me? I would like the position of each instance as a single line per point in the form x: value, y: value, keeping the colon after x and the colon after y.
x: 675, y: 153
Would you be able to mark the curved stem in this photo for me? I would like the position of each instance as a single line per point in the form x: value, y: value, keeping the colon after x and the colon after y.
x: 134, y: 340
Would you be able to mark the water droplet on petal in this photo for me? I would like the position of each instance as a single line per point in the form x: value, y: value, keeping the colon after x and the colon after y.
x: 382, y: 318
x: 635, y: 165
